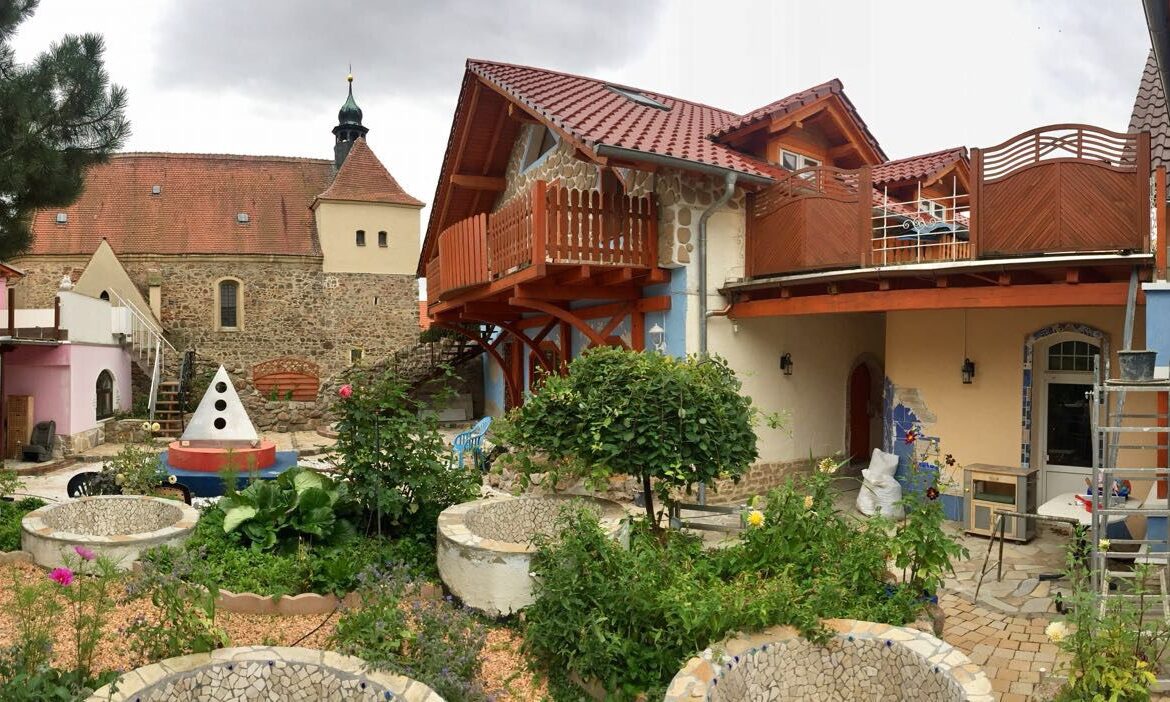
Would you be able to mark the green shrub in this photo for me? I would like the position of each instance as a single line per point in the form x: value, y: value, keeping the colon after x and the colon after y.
x: 678, y: 422
x: 135, y: 470
x: 299, y: 505
x: 186, y: 620
x: 394, y: 458
x: 630, y: 618
x: 10, y: 515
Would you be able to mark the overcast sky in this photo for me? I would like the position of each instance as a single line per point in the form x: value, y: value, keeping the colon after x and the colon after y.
x: 267, y: 76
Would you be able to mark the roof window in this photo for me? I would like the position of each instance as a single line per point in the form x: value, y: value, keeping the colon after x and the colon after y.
x: 639, y: 98
x: 156, y: 190
x: 62, y: 218
x: 242, y: 217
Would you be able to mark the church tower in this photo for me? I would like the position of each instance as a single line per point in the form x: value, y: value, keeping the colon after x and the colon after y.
x: 349, y: 127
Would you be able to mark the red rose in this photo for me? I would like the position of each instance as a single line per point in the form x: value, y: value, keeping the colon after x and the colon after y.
x: 345, y: 391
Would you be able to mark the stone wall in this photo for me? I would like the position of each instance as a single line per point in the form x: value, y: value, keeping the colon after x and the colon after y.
x: 560, y: 164
x: 682, y: 198
x: 288, y: 308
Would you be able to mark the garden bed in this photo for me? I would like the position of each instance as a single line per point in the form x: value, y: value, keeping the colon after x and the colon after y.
x: 485, y: 547
x: 11, y: 514
x: 240, y: 674
x: 119, y: 527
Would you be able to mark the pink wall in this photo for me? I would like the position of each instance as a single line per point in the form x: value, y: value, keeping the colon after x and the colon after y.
x: 63, y: 382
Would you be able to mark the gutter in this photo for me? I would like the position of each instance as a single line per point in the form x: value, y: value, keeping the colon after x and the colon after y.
x: 1158, y: 21
x: 676, y: 162
x: 728, y: 191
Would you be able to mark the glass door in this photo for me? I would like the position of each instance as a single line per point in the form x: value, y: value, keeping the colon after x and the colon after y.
x: 1063, y: 421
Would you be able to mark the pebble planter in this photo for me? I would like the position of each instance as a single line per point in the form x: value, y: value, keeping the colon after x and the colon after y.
x: 263, y: 673
x: 485, y: 547
x: 116, y: 526
x: 863, y: 661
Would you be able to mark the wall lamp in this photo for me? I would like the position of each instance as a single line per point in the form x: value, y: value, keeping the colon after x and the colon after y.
x: 658, y: 338
x: 786, y: 363
x: 968, y: 371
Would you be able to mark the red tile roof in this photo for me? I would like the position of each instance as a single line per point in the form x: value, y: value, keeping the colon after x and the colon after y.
x: 363, y: 178
x: 590, y: 111
x: 793, y: 102
x: 196, y: 210
x: 1149, y: 113
x: 917, y: 167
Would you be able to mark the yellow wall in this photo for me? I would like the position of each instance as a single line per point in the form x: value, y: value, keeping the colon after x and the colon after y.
x: 980, y: 423
x: 338, y: 222
x: 824, y: 349
x: 104, y: 272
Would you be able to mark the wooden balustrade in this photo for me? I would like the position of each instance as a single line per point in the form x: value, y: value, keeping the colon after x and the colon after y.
x: 434, y: 281
x: 463, y: 252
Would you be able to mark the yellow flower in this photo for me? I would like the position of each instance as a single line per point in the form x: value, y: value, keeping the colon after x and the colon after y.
x: 1142, y: 664
x: 1056, y: 631
x: 119, y: 479
x: 808, y: 501
x: 755, y: 518
x: 1103, y: 545
x: 155, y: 426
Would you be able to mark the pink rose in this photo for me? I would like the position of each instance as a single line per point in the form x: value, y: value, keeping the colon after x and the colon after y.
x: 85, y: 553
x: 345, y: 391
x: 61, y: 576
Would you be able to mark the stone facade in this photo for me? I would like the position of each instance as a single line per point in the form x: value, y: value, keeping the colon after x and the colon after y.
x: 289, y: 307
x: 561, y: 164
x: 682, y: 198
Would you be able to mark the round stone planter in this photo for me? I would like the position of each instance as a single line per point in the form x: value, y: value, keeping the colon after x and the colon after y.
x: 263, y: 672
x: 863, y: 661
x: 116, y: 526
x: 485, y: 547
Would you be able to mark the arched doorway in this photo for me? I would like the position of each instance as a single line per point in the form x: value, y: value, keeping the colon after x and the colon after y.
x: 863, y: 402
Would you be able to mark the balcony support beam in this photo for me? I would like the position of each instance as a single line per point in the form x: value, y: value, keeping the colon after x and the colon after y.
x: 478, y: 182
x: 563, y: 315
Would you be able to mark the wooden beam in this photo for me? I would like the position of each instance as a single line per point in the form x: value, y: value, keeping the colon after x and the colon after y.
x: 1072, y: 276
x: 840, y: 150
x: 1008, y: 296
x: 884, y: 284
x: 577, y: 274
x: 561, y: 314
x: 496, y: 309
x: 547, y: 291
x: 660, y: 303
x: 942, y: 281
x: 620, y: 277
x: 476, y: 182
x: 1004, y: 278
x: 520, y: 115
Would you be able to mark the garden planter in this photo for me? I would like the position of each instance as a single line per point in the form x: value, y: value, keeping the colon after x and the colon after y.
x: 119, y: 527
x: 263, y: 672
x: 485, y: 547
x: 1137, y: 366
x: 862, y: 661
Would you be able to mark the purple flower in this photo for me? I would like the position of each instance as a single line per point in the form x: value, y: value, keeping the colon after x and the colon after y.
x: 61, y: 576
x: 85, y: 553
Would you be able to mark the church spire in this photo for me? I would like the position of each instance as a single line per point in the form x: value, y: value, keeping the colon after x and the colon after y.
x: 349, y: 127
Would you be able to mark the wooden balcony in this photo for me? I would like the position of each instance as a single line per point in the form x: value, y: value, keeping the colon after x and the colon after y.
x: 1059, y: 189
x: 544, y: 226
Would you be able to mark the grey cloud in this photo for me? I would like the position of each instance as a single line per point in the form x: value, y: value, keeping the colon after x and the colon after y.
x: 280, y: 48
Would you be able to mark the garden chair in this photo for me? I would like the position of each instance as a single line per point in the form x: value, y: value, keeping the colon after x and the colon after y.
x: 40, y: 446
x: 471, y: 441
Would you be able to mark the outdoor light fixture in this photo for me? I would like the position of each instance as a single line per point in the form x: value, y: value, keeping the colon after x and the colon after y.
x: 786, y: 363
x: 658, y: 338
x: 968, y: 371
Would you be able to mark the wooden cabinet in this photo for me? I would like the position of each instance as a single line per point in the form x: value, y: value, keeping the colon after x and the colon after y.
x: 19, y: 424
x: 987, y: 488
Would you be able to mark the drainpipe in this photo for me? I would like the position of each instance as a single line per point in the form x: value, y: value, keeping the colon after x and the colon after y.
x: 728, y: 190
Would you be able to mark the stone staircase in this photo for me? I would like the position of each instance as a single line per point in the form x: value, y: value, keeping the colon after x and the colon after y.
x: 426, y: 360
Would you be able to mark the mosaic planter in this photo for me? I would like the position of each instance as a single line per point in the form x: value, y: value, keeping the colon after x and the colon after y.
x: 263, y: 673
x: 485, y: 547
x: 119, y: 527
x: 863, y: 661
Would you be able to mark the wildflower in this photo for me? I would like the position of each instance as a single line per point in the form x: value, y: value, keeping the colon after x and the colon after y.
x: 61, y: 576
x: 932, y: 493
x: 1056, y: 631
x: 85, y: 553
x: 345, y: 391
x: 146, y: 426
x: 155, y: 427
x: 1104, y: 544
x: 827, y: 466
x: 755, y: 518
x: 808, y: 501
x: 119, y: 479
x: 172, y: 479
x: 911, y: 437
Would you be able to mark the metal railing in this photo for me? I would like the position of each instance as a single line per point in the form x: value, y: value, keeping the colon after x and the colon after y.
x: 929, y: 228
x: 148, y: 345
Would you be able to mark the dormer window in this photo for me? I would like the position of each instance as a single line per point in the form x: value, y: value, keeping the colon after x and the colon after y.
x: 931, y: 208
x: 156, y: 190
x: 794, y: 161
x: 541, y: 141
x: 634, y: 96
x: 62, y: 218
x: 242, y: 218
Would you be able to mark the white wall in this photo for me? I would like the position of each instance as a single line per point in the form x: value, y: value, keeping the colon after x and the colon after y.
x: 88, y: 319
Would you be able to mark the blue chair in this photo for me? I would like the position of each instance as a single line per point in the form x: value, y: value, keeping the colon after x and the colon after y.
x: 471, y: 441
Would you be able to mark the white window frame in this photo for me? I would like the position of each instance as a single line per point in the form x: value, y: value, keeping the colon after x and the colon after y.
x: 930, y: 208
x: 801, y: 160
x: 534, y: 140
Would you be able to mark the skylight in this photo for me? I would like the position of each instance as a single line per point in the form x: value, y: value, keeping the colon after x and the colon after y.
x: 639, y: 98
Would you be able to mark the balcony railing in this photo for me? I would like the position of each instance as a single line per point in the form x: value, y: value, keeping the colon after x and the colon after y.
x: 1058, y: 189
x: 544, y: 224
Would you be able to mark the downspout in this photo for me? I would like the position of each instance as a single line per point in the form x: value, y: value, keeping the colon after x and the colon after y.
x: 728, y: 191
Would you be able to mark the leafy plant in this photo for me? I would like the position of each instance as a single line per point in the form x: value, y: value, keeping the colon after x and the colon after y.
x: 10, y: 482
x: 10, y: 515
x: 394, y: 458
x: 921, y: 548
x: 135, y: 470
x: 186, y: 611
x: 674, y: 422
x: 301, y: 504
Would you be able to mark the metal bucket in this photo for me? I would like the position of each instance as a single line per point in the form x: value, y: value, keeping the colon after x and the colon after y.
x: 1137, y: 366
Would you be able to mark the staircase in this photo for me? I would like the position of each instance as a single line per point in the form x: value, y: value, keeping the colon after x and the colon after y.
x: 147, y: 347
x: 425, y: 360
x: 168, y: 410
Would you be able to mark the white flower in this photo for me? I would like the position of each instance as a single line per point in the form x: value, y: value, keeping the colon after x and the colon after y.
x: 1104, y: 544
x: 828, y: 466
x: 808, y: 501
x: 172, y: 479
x: 146, y: 426
x: 119, y: 479
x: 1056, y: 631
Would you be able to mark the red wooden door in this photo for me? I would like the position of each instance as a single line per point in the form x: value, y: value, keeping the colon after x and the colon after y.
x: 859, y: 389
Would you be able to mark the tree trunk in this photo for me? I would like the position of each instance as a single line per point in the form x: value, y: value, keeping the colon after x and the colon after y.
x: 648, y: 498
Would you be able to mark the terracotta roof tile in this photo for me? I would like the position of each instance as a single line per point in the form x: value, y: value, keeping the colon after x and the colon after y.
x: 195, y: 212
x: 363, y: 178
x: 917, y: 167
x: 592, y: 112
x: 1149, y: 113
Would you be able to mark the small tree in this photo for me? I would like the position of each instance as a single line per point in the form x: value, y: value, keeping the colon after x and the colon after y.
x: 674, y: 421
x: 391, y: 453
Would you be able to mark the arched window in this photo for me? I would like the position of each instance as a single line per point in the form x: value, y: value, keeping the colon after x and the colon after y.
x: 105, y: 394
x: 1072, y: 356
x: 105, y: 295
x: 228, y: 304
